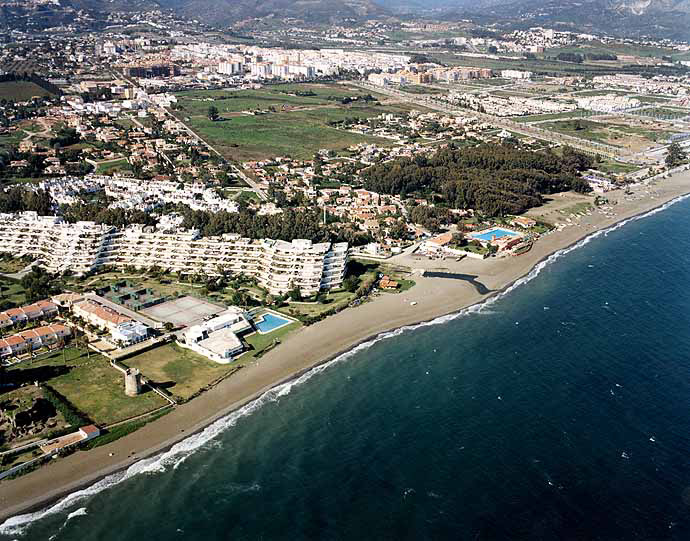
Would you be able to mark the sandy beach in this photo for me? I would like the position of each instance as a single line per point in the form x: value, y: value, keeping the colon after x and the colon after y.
x: 310, y: 346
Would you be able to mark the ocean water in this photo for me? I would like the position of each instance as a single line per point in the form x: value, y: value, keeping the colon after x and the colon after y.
x: 559, y: 411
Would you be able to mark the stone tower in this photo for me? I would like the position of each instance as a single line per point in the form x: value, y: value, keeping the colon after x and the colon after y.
x: 132, y: 382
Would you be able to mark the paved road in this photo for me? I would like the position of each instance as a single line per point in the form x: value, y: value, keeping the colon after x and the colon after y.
x: 251, y: 183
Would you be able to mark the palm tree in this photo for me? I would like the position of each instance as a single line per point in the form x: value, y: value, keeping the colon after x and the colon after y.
x: 82, y: 341
x: 61, y: 345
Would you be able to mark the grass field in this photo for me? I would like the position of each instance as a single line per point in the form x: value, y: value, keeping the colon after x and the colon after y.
x: 113, y: 167
x: 547, y: 116
x: 181, y: 371
x: 24, y: 398
x: 289, y: 125
x: 166, y: 286
x: 334, y: 299
x: 614, y: 48
x: 538, y: 66
x: 91, y: 385
x: 594, y: 131
x: 20, y: 90
x: 10, y: 265
x: 11, y: 140
x: 610, y: 166
x: 12, y: 291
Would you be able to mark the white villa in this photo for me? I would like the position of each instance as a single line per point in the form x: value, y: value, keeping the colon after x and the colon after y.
x: 217, y: 338
x: 129, y: 332
x: 85, y: 246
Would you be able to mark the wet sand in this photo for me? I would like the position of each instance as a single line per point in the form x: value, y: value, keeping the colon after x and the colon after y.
x: 310, y: 346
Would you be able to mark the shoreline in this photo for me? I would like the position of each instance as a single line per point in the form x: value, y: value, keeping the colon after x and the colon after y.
x: 319, y: 345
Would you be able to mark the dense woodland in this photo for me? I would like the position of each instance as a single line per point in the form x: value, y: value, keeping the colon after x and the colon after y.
x: 95, y: 212
x: 289, y: 225
x: 493, y: 179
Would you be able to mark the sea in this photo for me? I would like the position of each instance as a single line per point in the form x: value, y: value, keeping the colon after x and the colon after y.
x: 559, y: 410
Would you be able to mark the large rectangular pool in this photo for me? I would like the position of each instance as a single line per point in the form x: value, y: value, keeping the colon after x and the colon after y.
x: 268, y: 322
x: 497, y: 233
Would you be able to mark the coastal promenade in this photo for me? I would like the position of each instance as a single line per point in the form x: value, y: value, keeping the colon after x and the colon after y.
x: 310, y: 346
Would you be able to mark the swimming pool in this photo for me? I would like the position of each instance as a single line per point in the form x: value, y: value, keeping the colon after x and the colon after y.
x: 497, y: 232
x: 268, y: 322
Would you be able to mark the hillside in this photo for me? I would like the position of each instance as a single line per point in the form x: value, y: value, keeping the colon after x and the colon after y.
x: 659, y: 18
x: 227, y: 11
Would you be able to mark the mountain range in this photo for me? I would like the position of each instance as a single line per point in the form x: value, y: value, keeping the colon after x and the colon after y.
x: 659, y: 18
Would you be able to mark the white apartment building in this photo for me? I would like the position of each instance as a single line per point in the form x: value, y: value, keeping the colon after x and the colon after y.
x: 277, y: 265
x: 232, y: 67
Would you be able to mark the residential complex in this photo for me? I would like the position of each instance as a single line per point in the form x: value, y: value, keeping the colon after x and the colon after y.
x: 33, y: 339
x: 25, y: 314
x: 277, y: 265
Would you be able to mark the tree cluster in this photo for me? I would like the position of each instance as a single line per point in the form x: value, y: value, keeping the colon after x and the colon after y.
x: 95, y: 212
x: 493, y: 179
x: 17, y: 199
x: 675, y: 155
x: 288, y: 225
x: 570, y: 57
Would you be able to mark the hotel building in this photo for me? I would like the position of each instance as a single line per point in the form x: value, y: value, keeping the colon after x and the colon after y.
x: 85, y: 246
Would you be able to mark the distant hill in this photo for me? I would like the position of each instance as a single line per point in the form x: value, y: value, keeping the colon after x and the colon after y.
x: 14, y: 14
x: 660, y: 18
x: 228, y: 11
x: 109, y: 6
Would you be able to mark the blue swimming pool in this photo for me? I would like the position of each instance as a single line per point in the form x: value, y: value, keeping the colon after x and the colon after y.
x: 498, y: 233
x: 269, y: 321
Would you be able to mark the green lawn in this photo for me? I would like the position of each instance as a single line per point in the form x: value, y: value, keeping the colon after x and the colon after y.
x: 91, y: 385
x: 577, y: 208
x: 20, y: 90
x: 334, y: 299
x: 610, y: 166
x: 11, y: 140
x: 166, y: 286
x: 247, y: 196
x: 113, y: 167
x: 22, y: 399
x: 260, y: 343
x: 10, y: 265
x: 422, y: 89
x: 181, y: 371
x: 613, y: 48
x: 594, y: 131
x: 12, y: 291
